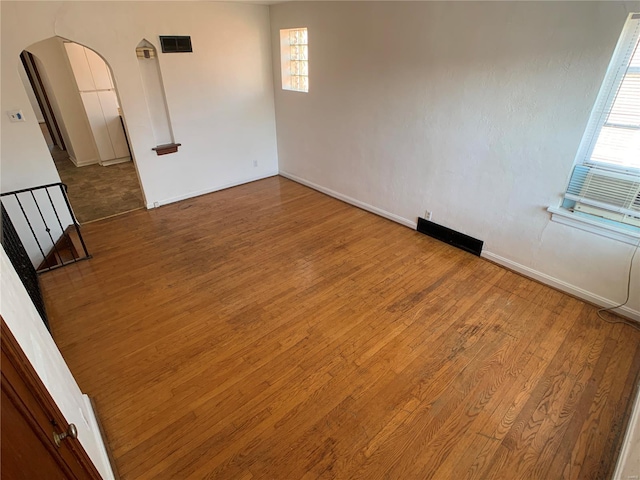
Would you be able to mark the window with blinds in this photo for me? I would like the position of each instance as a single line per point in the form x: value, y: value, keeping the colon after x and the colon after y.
x: 606, y: 178
x: 294, y: 54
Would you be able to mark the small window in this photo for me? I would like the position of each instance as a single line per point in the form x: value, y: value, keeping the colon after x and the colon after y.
x: 175, y: 44
x: 294, y: 55
x: 605, y: 182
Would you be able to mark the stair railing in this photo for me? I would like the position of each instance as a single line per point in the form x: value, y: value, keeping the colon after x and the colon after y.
x: 41, y: 212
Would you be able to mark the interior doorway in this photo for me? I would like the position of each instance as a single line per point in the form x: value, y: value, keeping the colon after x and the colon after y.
x: 75, y: 100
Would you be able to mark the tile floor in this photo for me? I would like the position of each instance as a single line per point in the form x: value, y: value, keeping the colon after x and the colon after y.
x: 97, y: 192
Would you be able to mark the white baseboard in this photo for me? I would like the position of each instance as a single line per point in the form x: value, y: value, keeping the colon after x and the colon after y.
x: 561, y: 285
x: 93, y: 423
x: 364, y: 206
x: 167, y: 201
x: 630, y: 453
x: 523, y: 270
x: 115, y: 161
x: 84, y: 163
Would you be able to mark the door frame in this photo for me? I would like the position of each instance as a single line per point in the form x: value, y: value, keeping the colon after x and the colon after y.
x: 30, y: 66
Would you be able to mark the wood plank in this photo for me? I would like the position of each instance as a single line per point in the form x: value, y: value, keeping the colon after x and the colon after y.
x: 270, y: 331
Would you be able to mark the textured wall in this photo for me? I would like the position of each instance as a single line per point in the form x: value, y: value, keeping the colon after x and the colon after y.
x: 472, y: 110
x: 220, y: 97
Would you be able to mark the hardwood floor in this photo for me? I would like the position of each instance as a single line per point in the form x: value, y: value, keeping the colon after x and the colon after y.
x: 271, y: 332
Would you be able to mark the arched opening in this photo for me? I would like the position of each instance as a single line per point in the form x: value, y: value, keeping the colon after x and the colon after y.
x: 75, y: 100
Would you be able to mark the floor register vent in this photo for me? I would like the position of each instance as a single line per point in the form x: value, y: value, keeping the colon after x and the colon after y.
x: 444, y: 234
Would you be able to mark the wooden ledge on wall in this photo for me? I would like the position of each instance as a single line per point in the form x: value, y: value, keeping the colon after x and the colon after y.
x: 167, y: 148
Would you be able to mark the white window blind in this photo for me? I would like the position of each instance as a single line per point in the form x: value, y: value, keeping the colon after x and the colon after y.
x: 606, y: 179
x: 294, y: 54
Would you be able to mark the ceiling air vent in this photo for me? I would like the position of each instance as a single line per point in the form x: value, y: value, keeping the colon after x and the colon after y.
x: 175, y: 44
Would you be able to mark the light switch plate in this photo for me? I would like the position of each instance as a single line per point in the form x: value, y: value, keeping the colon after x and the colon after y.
x: 15, y: 115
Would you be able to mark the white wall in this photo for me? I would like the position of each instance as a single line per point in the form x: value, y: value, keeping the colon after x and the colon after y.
x: 220, y: 97
x: 24, y: 322
x: 472, y: 110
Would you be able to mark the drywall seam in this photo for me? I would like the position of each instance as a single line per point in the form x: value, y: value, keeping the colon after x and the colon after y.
x: 186, y: 196
x: 521, y: 269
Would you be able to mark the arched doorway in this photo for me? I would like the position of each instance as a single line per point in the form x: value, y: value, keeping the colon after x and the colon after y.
x: 73, y: 88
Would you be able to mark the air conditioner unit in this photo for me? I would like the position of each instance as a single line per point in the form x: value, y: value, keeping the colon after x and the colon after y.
x: 607, y: 194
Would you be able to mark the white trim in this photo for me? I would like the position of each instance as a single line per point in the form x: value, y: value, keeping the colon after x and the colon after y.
x: 365, y: 206
x: 565, y: 217
x: 631, y: 435
x: 109, y: 216
x: 561, y: 285
x: 92, y: 161
x: 167, y: 201
x: 516, y: 267
x: 99, y: 441
x: 115, y: 161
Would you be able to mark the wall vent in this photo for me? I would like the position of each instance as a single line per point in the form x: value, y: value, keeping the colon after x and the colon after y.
x: 444, y: 234
x: 175, y: 44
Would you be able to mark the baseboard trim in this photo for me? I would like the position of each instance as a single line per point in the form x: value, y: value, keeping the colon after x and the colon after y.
x: 86, y: 163
x: 95, y: 427
x: 352, y: 201
x: 561, y: 285
x: 115, y: 161
x: 511, y: 265
x: 167, y: 201
x: 633, y: 432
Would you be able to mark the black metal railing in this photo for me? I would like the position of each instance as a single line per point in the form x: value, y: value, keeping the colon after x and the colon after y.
x: 45, y: 221
x: 22, y: 263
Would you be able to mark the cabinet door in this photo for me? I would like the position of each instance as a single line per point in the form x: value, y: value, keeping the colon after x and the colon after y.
x: 80, y: 66
x: 92, y: 106
x: 109, y: 104
x: 99, y: 71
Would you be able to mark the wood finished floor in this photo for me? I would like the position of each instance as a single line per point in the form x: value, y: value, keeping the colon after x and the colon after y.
x: 271, y: 332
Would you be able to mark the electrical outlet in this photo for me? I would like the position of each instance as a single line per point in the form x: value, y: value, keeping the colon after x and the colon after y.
x: 15, y: 115
x: 427, y: 215
x: 255, y: 163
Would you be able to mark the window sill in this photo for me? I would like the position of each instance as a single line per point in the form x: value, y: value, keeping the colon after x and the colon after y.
x: 620, y: 234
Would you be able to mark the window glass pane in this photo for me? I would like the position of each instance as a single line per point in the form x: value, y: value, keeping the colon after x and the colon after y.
x: 618, y: 142
x: 626, y: 106
x: 605, y: 182
x: 618, y: 146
